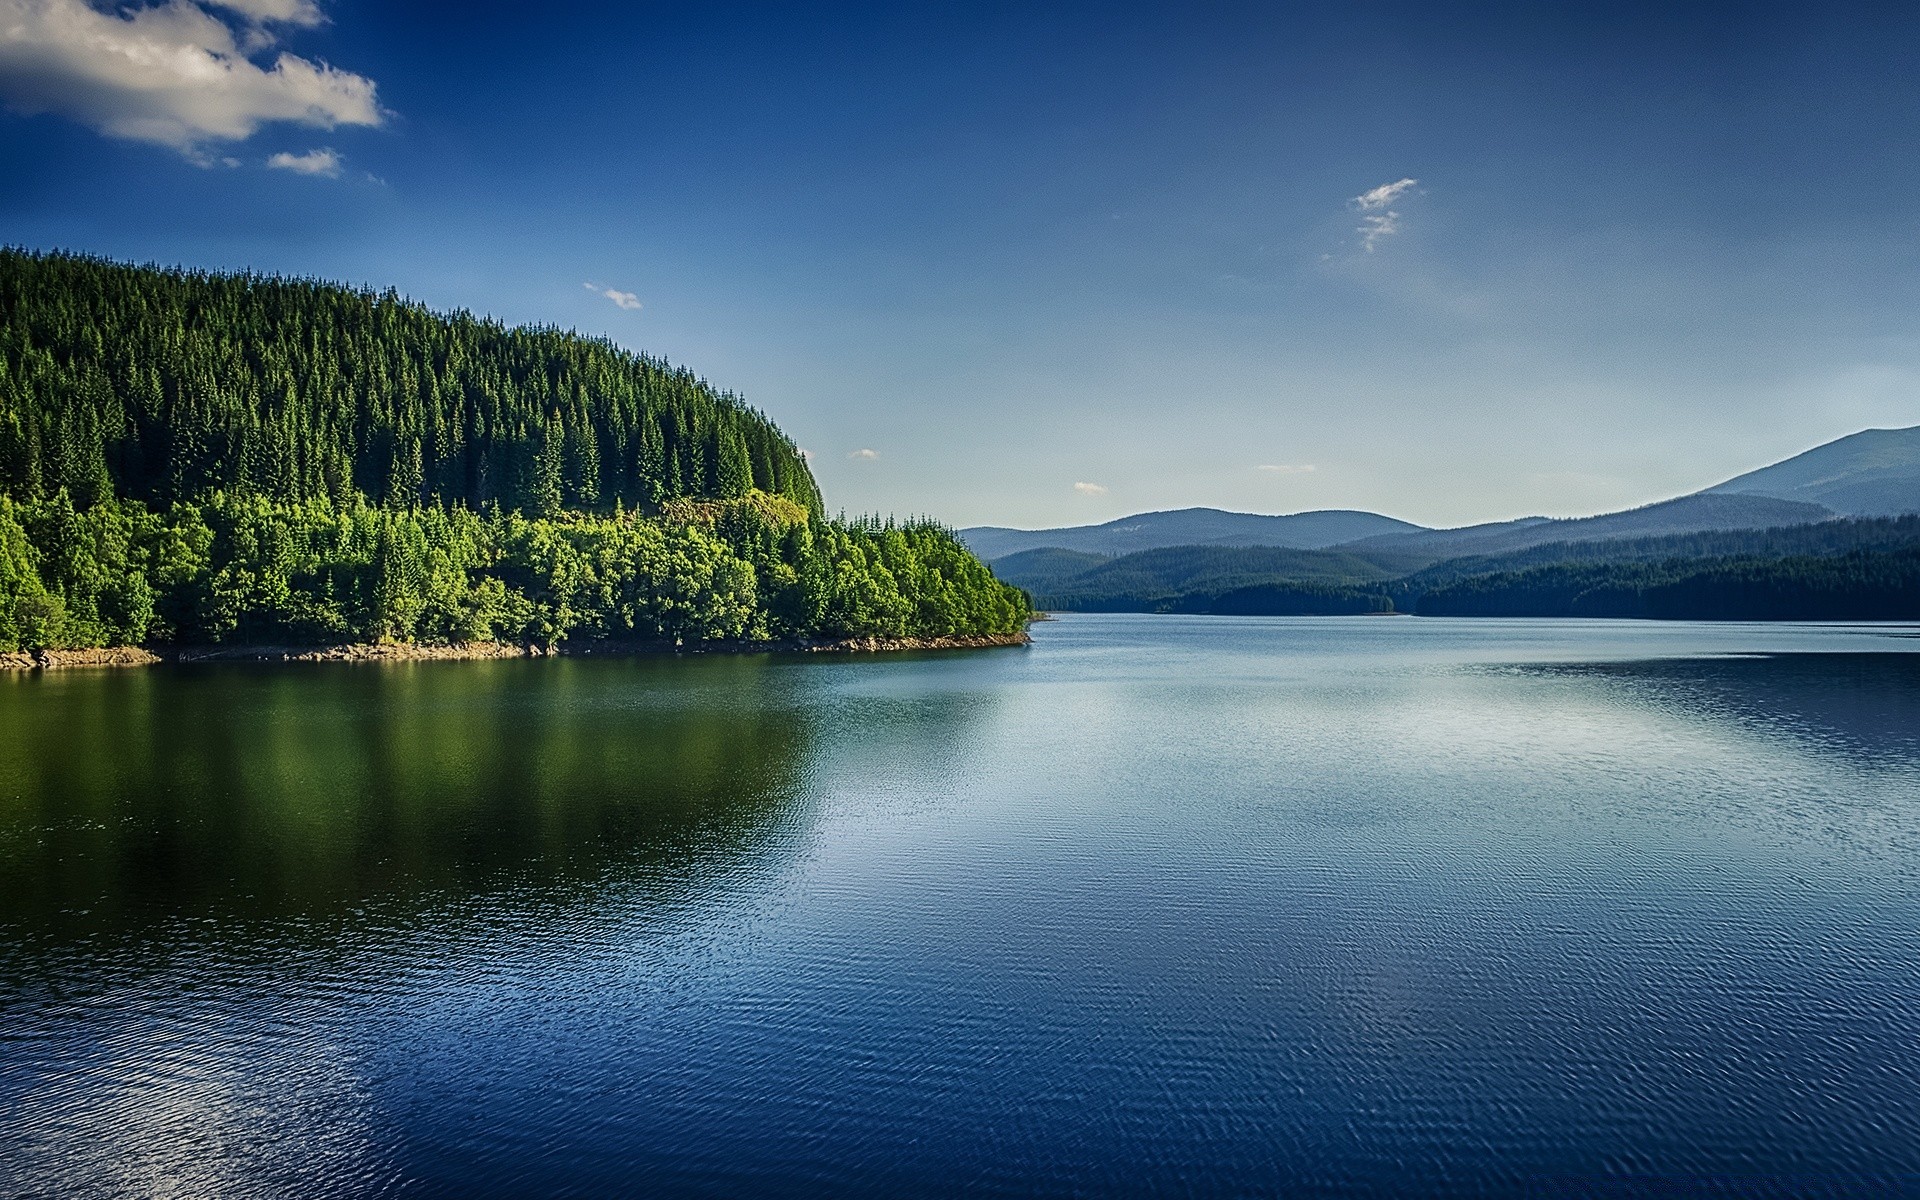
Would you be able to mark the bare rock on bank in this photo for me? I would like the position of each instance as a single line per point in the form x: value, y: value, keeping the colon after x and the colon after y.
x: 356, y: 652
x: 876, y: 645
x: 53, y: 660
x: 135, y: 656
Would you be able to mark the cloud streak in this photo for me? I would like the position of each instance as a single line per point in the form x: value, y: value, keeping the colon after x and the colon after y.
x: 1090, y: 489
x: 864, y: 454
x: 323, y: 162
x: 279, y: 12
x: 1384, y: 195
x: 1379, y: 221
x: 1286, y: 468
x: 626, y: 300
x: 173, y: 74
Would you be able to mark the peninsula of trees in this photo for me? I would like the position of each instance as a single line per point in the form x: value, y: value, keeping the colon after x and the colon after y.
x: 235, y: 459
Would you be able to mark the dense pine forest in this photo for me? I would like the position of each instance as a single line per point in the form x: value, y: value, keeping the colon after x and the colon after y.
x: 1854, y: 570
x: 1856, y: 586
x: 194, y: 457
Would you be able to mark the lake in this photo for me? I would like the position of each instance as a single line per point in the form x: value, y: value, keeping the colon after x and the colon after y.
x: 1156, y: 905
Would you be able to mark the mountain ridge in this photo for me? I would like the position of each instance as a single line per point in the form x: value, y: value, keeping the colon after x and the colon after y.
x: 1312, y: 530
x: 1698, y: 513
x: 1870, y: 473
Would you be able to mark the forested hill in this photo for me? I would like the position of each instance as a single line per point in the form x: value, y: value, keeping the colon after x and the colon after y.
x: 1848, y: 569
x: 163, y: 385
x: 199, y: 458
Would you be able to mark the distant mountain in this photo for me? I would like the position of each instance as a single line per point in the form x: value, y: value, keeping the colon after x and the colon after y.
x: 1189, y: 527
x: 1042, y: 571
x: 1851, y: 535
x: 1150, y: 579
x: 1875, y: 472
x: 1156, y: 559
x: 1702, y: 513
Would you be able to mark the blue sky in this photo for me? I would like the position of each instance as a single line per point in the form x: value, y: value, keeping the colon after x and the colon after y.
x: 1027, y: 266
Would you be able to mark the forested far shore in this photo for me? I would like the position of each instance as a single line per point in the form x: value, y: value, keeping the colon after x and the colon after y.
x: 193, y: 458
x: 1859, y: 569
x: 1861, y: 585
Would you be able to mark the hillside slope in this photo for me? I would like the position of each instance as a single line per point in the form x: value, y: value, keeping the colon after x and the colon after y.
x: 197, y: 458
x: 162, y: 385
x: 1152, y: 579
x: 1688, y: 514
x: 1189, y: 527
x: 1875, y: 472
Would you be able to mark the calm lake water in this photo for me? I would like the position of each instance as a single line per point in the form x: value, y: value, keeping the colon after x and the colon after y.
x: 1157, y: 905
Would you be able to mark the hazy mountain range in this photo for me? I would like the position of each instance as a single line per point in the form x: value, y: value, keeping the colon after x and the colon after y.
x: 1190, y: 527
x: 1872, y: 473
x: 1801, y: 517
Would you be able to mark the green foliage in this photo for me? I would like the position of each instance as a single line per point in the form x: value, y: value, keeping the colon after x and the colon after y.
x: 242, y: 569
x: 233, y: 459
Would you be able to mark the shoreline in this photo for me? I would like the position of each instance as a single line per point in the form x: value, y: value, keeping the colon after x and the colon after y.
x: 143, y: 656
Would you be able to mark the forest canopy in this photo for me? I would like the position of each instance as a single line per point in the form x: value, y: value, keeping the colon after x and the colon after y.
x: 195, y: 457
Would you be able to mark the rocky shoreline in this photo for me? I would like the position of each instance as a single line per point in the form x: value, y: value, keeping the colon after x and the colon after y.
x: 139, y: 656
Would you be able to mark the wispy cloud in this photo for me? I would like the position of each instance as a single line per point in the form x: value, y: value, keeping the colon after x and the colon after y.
x: 1384, y: 195
x: 1090, y: 489
x: 173, y: 74
x: 1286, y: 468
x: 279, y: 12
x: 1376, y: 229
x: 324, y: 162
x: 626, y: 300
x: 1379, y: 221
x: 805, y: 454
x: 864, y: 453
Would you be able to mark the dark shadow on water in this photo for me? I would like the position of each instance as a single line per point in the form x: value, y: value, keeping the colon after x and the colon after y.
x: 1864, y: 707
x: 229, y: 804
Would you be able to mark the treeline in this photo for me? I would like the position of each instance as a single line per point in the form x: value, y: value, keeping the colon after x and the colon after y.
x: 249, y: 570
x: 165, y: 385
x: 200, y: 458
x: 1194, y: 578
x: 1861, y: 585
x: 1287, y: 600
x: 1832, y: 570
x: 1820, y: 539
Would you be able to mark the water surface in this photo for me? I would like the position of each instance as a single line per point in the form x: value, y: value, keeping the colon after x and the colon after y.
x: 1159, y: 904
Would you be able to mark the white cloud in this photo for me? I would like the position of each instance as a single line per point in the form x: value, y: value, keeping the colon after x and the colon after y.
x: 314, y: 162
x: 806, y: 454
x: 626, y: 300
x: 1377, y: 229
x: 173, y: 74
x: 1383, y: 195
x: 1285, y: 468
x: 1379, y: 221
x: 278, y: 12
x: 864, y: 453
x: 1090, y: 489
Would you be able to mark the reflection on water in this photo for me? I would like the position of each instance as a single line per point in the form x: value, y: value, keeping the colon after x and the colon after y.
x: 228, y: 799
x: 1163, y: 905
